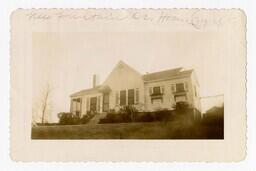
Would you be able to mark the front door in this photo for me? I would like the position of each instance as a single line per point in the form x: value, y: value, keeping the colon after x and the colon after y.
x: 93, y: 104
x: 105, y: 102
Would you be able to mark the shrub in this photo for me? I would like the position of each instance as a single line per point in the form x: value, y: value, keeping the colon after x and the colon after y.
x: 71, y: 119
x: 163, y: 115
x: 181, y: 107
x: 130, y: 114
x: 85, y: 119
x: 122, y: 115
x: 115, y: 118
x: 130, y: 111
x: 68, y: 118
x: 144, y: 117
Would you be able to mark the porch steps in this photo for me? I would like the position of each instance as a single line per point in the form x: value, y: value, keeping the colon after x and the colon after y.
x: 97, y: 117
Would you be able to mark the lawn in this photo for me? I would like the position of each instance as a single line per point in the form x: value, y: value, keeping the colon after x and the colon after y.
x: 145, y: 130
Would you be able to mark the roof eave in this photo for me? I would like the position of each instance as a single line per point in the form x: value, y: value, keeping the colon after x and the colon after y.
x: 172, y: 78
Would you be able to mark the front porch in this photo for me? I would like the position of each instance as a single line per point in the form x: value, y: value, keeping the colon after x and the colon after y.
x: 93, y: 102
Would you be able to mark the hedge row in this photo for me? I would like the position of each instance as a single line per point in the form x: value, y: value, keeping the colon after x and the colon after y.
x: 163, y: 115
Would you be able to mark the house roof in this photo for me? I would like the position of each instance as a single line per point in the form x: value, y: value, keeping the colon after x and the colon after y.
x: 86, y: 91
x: 166, y: 74
x: 162, y: 75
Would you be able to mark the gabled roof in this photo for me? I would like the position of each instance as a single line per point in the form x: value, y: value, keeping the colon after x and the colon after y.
x: 166, y: 74
x: 121, y: 64
x: 162, y: 75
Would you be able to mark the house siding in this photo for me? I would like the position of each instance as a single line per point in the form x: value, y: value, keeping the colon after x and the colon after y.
x: 124, y: 78
x: 168, y: 97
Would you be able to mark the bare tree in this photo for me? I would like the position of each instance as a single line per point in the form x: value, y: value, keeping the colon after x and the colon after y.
x: 45, y: 101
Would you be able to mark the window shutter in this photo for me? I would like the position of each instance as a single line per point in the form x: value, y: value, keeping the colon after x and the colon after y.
x: 173, y: 88
x: 150, y: 90
x: 117, y: 98
x: 131, y: 97
x: 98, y: 104
x: 123, y: 97
x: 162, y: 90
x: 137, y: 96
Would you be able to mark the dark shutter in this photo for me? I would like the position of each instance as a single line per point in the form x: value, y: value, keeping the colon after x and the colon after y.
x: 123, y: 97
x: 131, y: 97
x: 137, y: 96
x: 105, y: 102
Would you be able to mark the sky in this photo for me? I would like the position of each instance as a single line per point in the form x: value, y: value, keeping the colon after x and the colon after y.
x: 67, y: 61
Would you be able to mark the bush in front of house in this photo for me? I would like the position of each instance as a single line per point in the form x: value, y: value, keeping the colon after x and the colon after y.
x: 181, y: 107
x: 68, y: 118
x: 85, y: 119
x: 160, y: 115
x: 145, y: 117
x: 123, y: 115
x: 130, y: 114
x: 129, y: 111
x: 115, y: 118
x: 164, y: 115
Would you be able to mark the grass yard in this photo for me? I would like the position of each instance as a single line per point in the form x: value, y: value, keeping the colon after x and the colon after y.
x: 145, y: 130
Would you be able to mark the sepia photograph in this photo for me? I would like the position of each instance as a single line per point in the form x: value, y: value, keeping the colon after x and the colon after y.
x: 128, y: 85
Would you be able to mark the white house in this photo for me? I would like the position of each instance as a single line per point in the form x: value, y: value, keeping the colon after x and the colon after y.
x: 149, y: 92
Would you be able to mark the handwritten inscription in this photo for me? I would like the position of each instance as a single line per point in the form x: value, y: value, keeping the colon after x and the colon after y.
x: 193, y: 19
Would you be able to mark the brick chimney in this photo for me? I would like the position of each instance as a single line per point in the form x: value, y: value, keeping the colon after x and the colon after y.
x: 94, y: 81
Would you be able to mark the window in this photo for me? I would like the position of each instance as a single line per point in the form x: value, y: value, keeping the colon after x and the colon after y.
x: 76, y: 106
x: 123, y: 97
x: 180, y: 87
x: 93, y: 104
x: 117, y: 97
x: 87, y: 104
x: 98, y: 103
x: 156, y: 90
x: 162, y: 89
x: 180, y: 98
x: 173, y: 88
x: 150, y: 90
x: 105, y: 102
x: 137, y: 96
x: 131, y: 97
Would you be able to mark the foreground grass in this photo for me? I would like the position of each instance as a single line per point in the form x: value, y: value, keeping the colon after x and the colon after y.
x: 150, y: 130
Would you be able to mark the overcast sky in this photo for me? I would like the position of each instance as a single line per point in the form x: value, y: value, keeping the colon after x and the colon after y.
x: 67, y: 61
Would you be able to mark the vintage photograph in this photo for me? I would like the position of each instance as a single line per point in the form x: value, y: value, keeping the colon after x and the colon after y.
x: 128, y: 85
